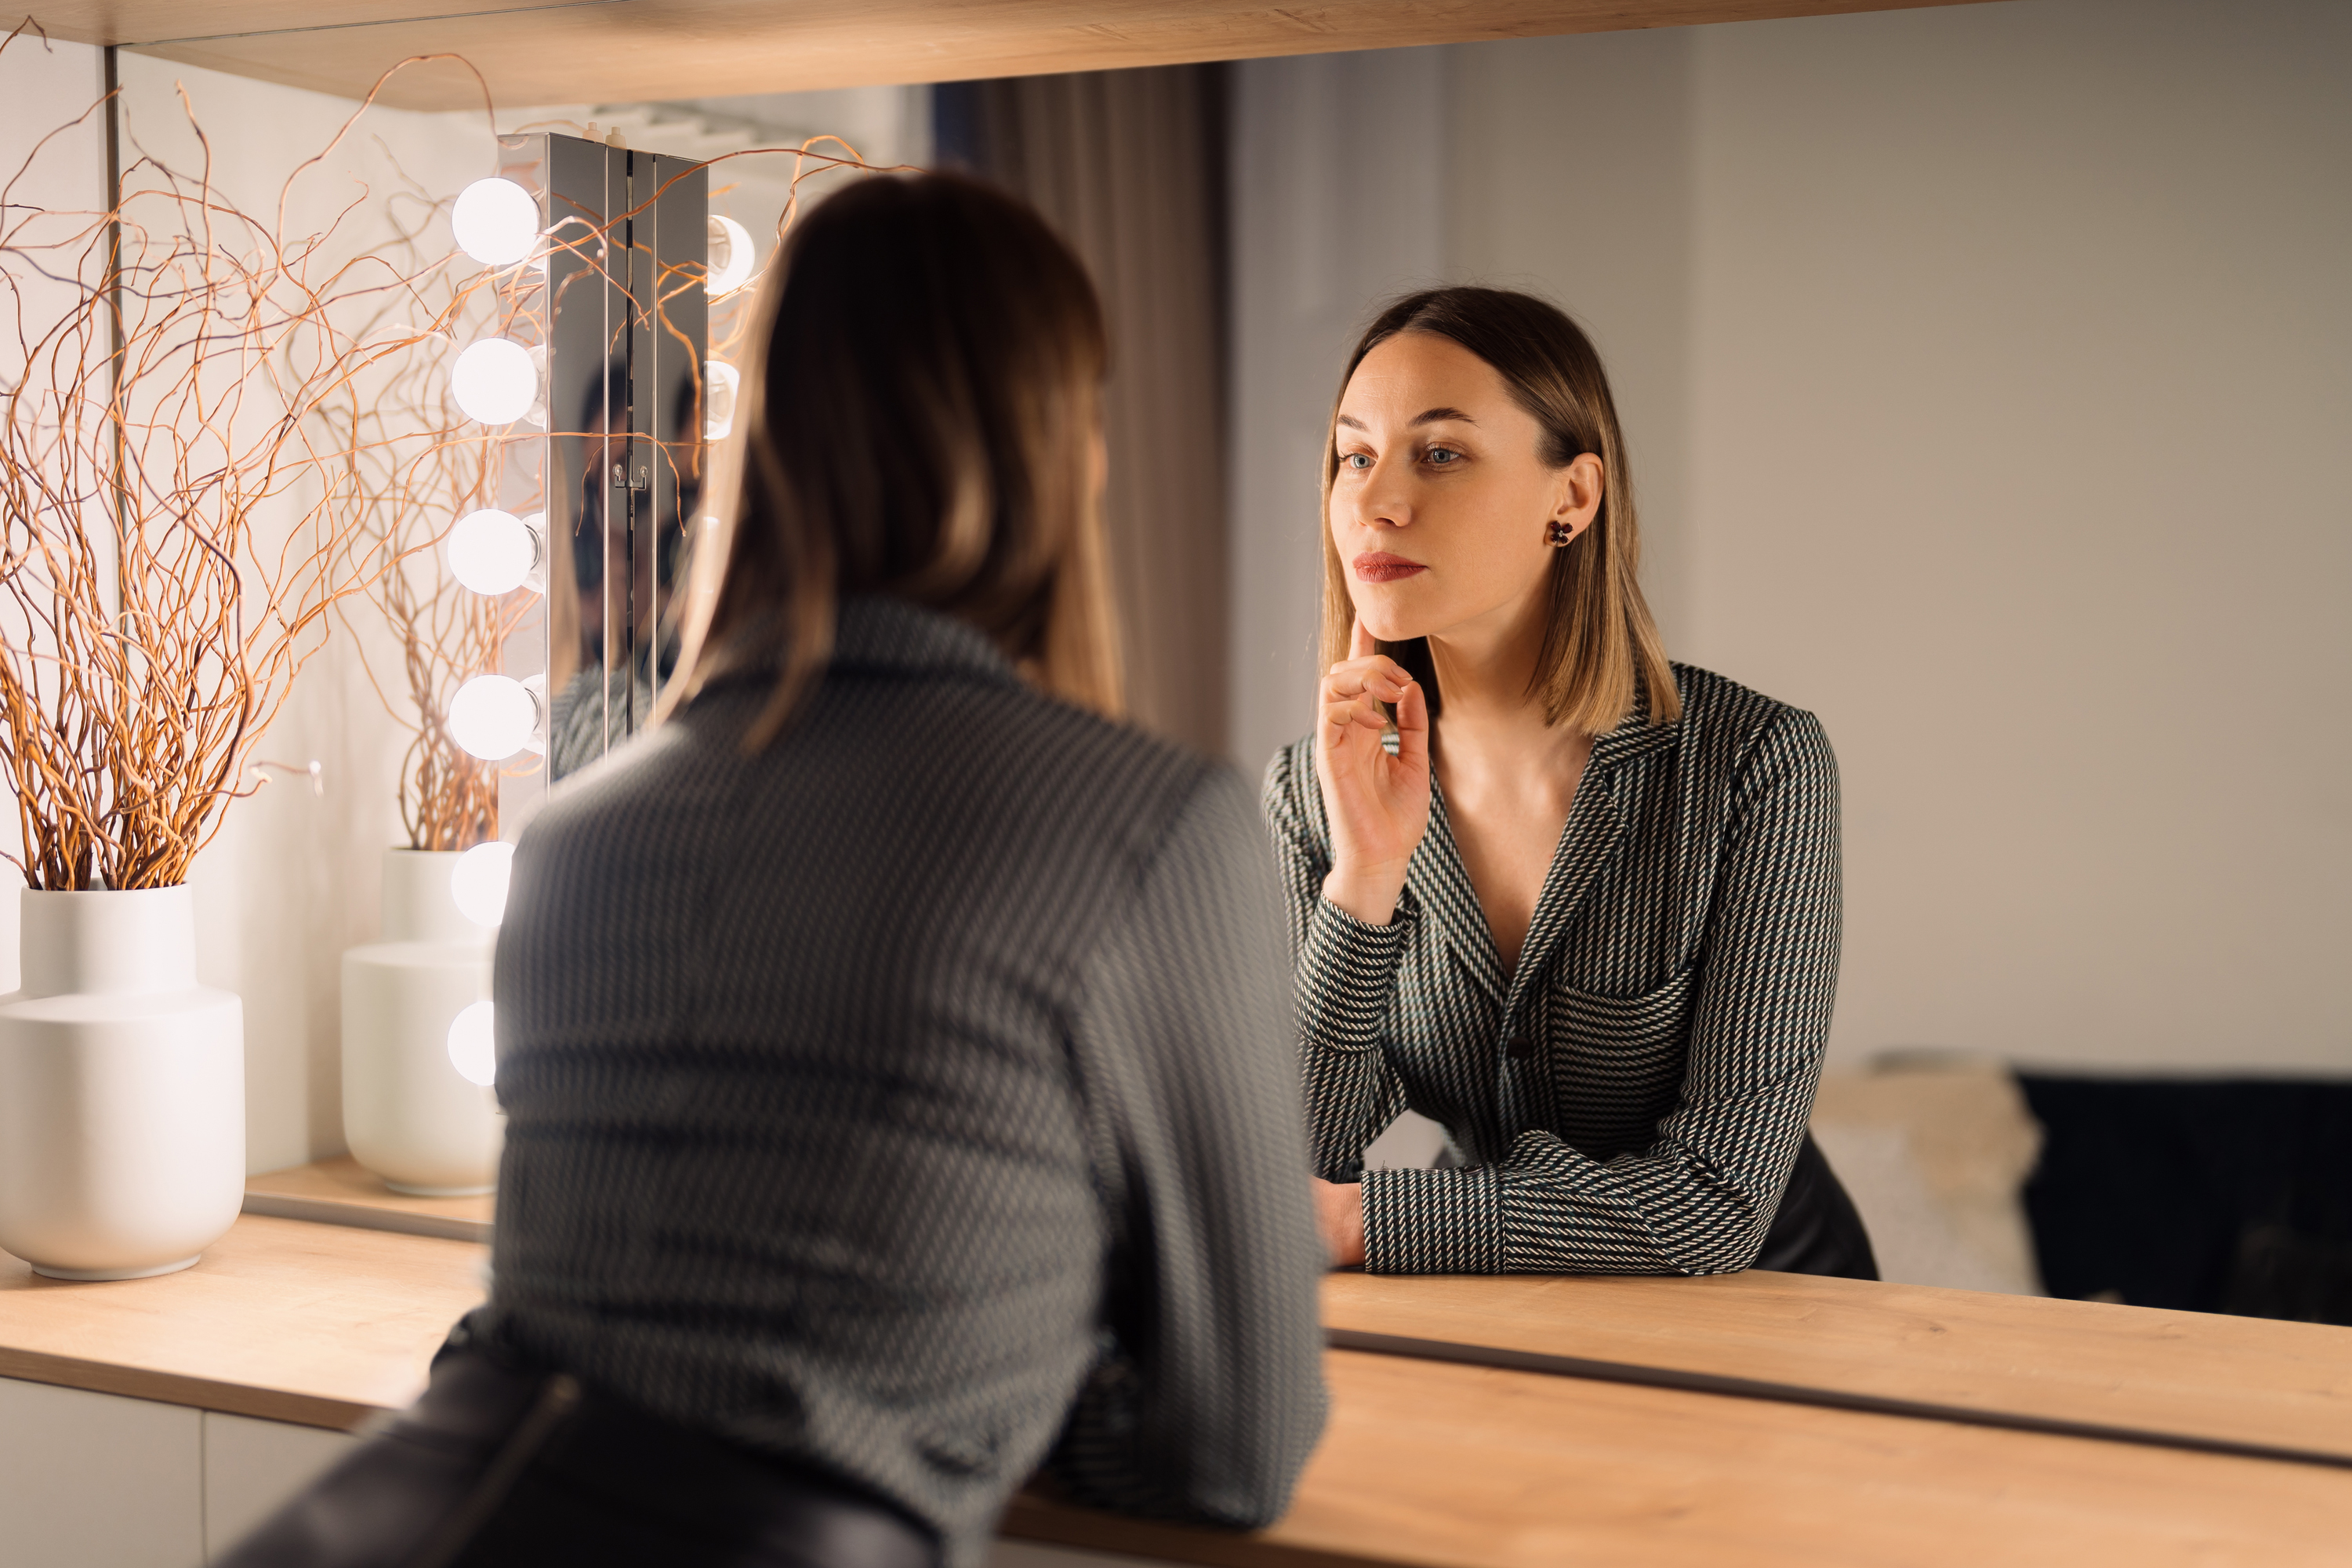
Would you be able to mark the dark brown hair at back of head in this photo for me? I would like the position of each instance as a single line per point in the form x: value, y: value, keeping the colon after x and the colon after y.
x: 920, y: 423
x: 1601, y: 657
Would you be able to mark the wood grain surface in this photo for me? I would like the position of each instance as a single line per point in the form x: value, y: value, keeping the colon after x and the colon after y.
x: 343, y: 1192
x: 319, y: 1324
x: 2246, y: 1380
x: 1450, y: 1466
x: 635, y: 50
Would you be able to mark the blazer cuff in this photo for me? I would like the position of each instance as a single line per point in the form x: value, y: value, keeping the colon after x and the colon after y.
x: 1433, y: 1222
x: 1347, y: 976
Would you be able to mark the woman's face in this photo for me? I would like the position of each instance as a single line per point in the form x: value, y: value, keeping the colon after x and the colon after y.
x: 1440, y: 506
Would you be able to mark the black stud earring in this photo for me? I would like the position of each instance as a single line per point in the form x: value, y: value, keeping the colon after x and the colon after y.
x: 1558, y: 533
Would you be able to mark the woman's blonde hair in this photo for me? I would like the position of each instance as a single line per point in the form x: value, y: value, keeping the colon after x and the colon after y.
x: 1601, y: 657
x: 919, y: 422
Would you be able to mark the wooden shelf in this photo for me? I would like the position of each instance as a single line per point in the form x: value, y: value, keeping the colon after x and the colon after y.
x: 320, y: 1324
x: 1457, y: 1467
x: 341, y: 1192
x: 2195, y: 1374
x: 1431, y: 1465
x: 636, y: 50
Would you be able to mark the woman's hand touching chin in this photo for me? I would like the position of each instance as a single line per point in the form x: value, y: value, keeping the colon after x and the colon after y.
x: 1378, y: 803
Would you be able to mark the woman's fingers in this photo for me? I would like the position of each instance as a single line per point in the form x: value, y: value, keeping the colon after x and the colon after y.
x: 1382, y: 678
x: 1413, y: 727
x: 1360, y: 641
x: 1354, y: 713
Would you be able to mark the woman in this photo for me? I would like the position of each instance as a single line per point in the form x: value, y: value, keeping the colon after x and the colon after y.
x: 890, y: 1041
x: 1578, y: 905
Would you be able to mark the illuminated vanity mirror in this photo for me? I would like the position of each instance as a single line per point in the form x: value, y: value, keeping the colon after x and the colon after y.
x: 627, y: 403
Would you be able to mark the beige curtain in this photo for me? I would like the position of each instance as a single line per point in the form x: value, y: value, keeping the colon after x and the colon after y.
x: 1129, y: 166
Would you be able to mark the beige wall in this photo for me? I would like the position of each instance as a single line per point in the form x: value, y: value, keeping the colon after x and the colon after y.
x: 1988, y: 374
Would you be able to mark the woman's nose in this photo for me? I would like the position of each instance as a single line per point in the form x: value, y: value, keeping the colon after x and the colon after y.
x: 1381, y: 503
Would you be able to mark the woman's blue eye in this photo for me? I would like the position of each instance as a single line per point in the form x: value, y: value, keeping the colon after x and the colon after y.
x: 1359, y: 461
x: 1443, y: 455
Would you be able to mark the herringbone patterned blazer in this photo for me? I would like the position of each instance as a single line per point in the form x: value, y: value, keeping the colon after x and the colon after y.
x: 1630, y: 1099
x: 913, y: 1093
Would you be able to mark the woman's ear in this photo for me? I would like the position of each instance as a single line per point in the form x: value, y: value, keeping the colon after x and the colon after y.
x: 1576, y: 498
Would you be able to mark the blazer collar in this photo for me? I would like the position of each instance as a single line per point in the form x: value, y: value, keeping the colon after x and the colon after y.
x: 1442, y: 885
x: 1635, y: 736
x: 877, y: 632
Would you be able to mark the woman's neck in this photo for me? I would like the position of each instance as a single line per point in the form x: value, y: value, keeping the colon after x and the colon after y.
x: 1510, y: 779
x: 1491, y: 729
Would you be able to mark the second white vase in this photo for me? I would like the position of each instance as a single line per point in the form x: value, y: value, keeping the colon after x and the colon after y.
x: 410, y: 1115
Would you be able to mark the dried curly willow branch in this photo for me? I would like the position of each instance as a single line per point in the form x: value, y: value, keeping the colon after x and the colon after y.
x: 178, y: 501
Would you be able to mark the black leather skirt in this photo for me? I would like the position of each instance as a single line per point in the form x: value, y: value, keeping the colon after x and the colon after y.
x: 499, y: 1466
x: 1817, y: 1229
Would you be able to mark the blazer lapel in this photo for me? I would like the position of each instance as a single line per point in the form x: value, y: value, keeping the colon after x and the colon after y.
x: 1440, y: 884
x: 1596, y: 823
x: 1587, y: 843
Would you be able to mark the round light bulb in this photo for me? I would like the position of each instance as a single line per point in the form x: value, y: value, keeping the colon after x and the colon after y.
x: 492, y: 717
x: 494, y: 381
x: 492, y: 552
x: 477, y: 882
x: 474, y: 1044
x: 536, y: 578
x: 730, y: 257
x: 720, y: 384
x: 495, y: 222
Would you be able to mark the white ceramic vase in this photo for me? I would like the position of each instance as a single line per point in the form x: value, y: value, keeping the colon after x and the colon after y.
x: 409, y: 1114
x: 121, y: 1089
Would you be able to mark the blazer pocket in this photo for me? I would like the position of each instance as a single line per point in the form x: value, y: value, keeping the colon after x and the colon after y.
x: 1618, y: 1062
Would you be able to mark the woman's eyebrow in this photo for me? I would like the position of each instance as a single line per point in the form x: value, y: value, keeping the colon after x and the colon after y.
x: 1427, y: 416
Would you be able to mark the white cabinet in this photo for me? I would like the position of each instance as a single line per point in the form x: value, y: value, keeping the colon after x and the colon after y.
x: 251, y: 1467
x: 93, y: 1481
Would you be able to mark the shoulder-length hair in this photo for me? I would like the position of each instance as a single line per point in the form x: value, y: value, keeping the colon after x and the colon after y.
x: 919, y: 421
x: 1601, y: 657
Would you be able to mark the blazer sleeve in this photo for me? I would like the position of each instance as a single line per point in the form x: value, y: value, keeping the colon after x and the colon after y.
x: 1700, y: 1199
x: 1344, y: 979
x: 1210, y: 1396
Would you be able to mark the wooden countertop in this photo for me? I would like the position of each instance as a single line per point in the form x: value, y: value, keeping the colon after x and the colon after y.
x: 319, y: 1324
x: 2246, y: 1380
x: 1452, y: 1467
x: 1444, y: 1466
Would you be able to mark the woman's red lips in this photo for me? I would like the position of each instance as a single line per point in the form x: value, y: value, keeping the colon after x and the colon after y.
x: 1380, y: 566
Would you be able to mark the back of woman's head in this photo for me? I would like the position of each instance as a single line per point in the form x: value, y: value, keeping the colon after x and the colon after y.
x: 923, y: 423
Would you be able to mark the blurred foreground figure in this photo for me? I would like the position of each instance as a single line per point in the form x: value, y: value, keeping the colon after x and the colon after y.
x: 896, y: 1047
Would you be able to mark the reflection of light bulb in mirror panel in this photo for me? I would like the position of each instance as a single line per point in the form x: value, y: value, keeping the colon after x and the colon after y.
x: 494, y: 381
x: 720, y: 383
x: 474, y: 1044
x: 495, y: 222
x: 732, y: 256
x: 492, y: 552
x: 492, y: 716
x: 477, y: 882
